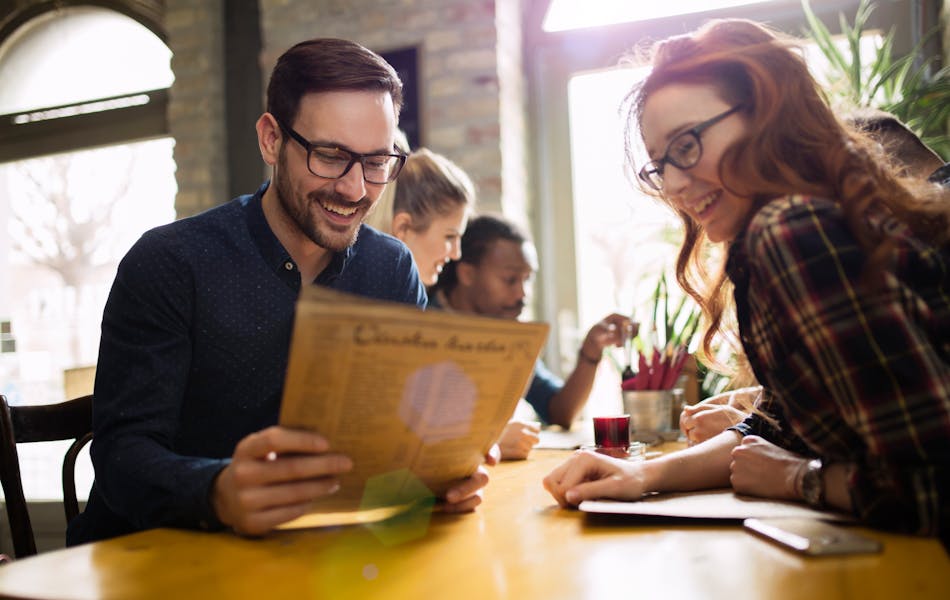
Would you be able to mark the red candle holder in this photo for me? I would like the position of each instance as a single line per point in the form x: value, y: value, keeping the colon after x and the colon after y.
x: 612, y: 435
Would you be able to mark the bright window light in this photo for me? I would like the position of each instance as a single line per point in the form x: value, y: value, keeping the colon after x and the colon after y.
x: 563, y: 15
x: 67, y: 219
x: 72, y: 55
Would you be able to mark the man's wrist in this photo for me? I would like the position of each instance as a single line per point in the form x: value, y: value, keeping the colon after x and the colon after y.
x: 581, y: 357
x: 216, y: 502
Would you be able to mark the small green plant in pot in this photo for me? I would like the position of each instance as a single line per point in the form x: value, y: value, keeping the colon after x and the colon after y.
x: 662, y: 344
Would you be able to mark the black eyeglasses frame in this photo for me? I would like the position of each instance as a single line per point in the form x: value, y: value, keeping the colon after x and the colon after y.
x: 656, y: 166
x: 354, y: 156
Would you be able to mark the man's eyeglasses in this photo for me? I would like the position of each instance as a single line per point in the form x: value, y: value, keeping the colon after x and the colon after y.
x: 330, y: 162
x: 683, y: 151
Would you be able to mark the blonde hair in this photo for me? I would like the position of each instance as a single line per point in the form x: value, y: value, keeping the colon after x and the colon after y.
x: 430, y: 185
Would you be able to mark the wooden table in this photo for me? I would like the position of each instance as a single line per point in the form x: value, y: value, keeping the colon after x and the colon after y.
x: 518, y: 544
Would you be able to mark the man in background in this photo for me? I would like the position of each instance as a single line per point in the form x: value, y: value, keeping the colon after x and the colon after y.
x: 493, y: 278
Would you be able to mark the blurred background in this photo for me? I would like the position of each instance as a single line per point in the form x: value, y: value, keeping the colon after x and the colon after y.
x: 120, y: 115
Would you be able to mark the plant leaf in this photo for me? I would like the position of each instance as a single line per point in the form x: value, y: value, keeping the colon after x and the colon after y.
x: 902, y: 85
x: 823, y: 38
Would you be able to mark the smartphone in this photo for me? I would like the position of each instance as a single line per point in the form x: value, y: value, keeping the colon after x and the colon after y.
x: 813, y: 537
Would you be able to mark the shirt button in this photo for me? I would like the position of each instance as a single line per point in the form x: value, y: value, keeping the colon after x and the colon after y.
x: 289, y: 266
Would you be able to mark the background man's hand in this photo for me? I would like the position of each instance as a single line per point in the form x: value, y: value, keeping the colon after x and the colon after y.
x: 612, y: 330
x: 518, y: 438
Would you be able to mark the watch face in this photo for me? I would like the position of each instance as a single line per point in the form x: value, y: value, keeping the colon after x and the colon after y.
x: 812, y: 483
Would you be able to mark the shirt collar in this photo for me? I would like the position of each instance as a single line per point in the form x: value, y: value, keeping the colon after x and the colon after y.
x: 274, y: 253
x: 337, y: 264
x: 736, y: 260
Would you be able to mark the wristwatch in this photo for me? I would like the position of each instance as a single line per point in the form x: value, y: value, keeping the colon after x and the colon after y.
x: 813, y: 484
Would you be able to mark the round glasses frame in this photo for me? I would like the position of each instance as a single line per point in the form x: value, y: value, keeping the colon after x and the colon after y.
x: 683, y: 151
x: 397, y: 160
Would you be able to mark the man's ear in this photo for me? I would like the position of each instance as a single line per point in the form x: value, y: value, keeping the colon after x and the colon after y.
x: 269, y: 138
x: 402, y: 225
x: 465, y: 272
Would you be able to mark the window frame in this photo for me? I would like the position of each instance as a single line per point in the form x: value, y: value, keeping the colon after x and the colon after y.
x: 112, y: 126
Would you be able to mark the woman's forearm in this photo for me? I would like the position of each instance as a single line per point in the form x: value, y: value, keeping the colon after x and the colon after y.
x: 703, y: 466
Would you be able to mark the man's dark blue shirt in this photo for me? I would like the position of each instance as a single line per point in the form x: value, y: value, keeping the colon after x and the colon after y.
x: 195, y: 338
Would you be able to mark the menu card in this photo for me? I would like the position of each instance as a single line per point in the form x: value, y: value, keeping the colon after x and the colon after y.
x: 710, y: 504
x: 415, y: 398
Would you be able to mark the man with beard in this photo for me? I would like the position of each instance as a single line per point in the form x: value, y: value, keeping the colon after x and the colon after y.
x: 492, y: 279
x: 196, y: 331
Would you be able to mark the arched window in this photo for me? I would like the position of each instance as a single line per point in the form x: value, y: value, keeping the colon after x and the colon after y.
x: 86, y: 166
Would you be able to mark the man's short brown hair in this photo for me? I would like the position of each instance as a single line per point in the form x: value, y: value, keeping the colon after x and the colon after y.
x: 328, y: 65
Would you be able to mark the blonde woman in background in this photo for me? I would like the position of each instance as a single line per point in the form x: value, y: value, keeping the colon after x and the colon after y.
x: 427, y: 210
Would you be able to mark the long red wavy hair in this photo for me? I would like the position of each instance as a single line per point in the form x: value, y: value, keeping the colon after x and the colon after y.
x: 794, y: 144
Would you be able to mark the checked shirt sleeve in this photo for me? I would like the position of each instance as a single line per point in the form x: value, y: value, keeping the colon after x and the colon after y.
x: 856, y: 366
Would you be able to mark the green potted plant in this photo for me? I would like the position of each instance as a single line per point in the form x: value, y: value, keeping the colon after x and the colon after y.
x: 662, y: 344
x: 908, y: 86
x: 669, y: 335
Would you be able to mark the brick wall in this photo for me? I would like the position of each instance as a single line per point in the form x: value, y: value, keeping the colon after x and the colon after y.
x: 512, y: 113
x: 196, y: 112
x: 469, y: 65
x: 471, y: 89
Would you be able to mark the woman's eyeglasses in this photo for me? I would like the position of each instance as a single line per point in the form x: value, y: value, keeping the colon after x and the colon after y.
x: 683, y: 151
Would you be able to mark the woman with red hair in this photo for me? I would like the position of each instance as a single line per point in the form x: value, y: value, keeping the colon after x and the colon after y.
x: 835, y: 268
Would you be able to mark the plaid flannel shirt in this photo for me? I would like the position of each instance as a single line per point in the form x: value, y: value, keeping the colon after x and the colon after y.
x: 853, y: 375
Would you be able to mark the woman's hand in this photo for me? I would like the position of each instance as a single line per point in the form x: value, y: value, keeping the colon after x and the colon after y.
x: 588, y: 475
x: 706, y: 419
x: 760, y: 468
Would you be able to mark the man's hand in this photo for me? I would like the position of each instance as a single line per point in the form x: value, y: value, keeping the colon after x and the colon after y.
x: 274, y: 476
x: 518, y: 438
x: 612, y: 330
x: 760, y: 468
x: 465, y: 496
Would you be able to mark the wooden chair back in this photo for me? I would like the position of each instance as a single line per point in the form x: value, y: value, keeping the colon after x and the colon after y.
x: 42, y: 423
